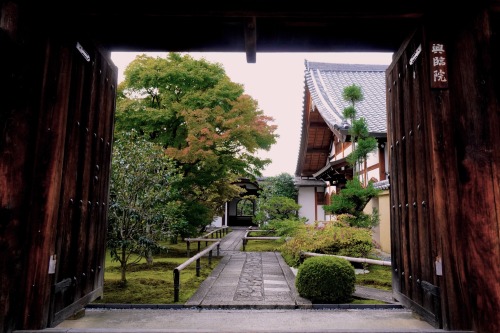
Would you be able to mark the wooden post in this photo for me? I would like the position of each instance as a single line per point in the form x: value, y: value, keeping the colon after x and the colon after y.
x: 196, y: 257
x: 187, y: 245
x: 176, y: 284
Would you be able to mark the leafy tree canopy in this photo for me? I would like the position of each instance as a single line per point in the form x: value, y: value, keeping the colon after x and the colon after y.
x: 203, y: 120
x: 281, y: 185
x: 351, y: 201
x: 277, y: 208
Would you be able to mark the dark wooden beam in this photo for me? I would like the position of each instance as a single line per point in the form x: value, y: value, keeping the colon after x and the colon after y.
x: 318, y: 124
x: 318, y: 150
x: 251, y: 40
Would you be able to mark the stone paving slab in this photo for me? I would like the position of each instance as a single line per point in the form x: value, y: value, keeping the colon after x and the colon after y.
x: 244, y: 321
x: 254, y: 289
x: 248, y: 279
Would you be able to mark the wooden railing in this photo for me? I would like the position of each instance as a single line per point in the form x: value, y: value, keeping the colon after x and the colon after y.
x: 197, y: 258
x: 304, y: 255
x: 209, y: 237
x: 246, y: 238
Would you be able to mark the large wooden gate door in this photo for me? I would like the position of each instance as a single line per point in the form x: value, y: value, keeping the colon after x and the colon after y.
x: 443, y: 120
x: 82, y: 217
x: 412, y: 234
x: 72, y: 121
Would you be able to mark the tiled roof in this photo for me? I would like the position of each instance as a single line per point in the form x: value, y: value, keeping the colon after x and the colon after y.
x: 382, y: 185
x: 326, y: 83
x: 308, y: 182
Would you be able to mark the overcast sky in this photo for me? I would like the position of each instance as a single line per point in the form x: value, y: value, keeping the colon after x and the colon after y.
x: 276, y: 81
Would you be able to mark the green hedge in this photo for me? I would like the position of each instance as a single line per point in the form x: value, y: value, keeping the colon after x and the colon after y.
x: 326, y: 280
x: 330, y: 238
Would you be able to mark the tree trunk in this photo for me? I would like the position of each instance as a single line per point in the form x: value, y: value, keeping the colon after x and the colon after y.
x: 149, y: 253
x: 123, y: 265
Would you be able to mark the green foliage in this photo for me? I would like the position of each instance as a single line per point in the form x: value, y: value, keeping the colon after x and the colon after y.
x: 263, y: 245
x: 330, y: 238
x: 326, y: 280
x: 352, y: 200
x: 277, y: 199
x: 142, y: 199
x: 379, y: 277
x: 346, y: 241
x: 245, y: 206
x: 153, y: 284
x: 281, y: 185
x: 359, y: 128
x: 363, y: 144
x: 352, y: 94
x: 276, y: 208
x: 349, y: 112
x: 363, y: 148
x: 285, y: 228
x: 203, y: 120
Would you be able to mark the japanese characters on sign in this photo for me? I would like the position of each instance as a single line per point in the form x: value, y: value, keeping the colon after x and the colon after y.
x: 439, y: 68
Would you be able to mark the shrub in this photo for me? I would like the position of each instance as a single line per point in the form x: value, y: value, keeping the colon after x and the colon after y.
x: 326, y: 279
x: 285, y: 228
x: 330, y: 238
x: 346, y: 241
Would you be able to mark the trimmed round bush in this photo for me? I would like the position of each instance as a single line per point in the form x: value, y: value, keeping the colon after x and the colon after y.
x: 326, y: 279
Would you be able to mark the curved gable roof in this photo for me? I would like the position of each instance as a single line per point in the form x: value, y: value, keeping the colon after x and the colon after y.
x: 325, y: 83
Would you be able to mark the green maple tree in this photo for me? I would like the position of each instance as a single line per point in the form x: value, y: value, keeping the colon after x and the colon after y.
x: 204, y: 121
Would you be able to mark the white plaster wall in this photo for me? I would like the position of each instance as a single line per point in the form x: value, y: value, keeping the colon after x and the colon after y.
x: 372, y: 159
x: 217, y: 222
x: 307, y: 202
x: 320, y: 213
x: 374, y: 174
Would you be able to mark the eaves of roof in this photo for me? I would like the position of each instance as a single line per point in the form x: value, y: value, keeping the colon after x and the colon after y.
x: 308, y: 182
x: 303, y: 139
x: 331, y: 165
x: 325, y: 83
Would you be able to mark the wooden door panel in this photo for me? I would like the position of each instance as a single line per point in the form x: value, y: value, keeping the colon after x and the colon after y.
x: 412, y: 233
x: 85, y: 182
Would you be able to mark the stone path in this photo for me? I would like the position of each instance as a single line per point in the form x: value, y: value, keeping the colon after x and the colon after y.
x: 257, y: 280
x: 248, y: 280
